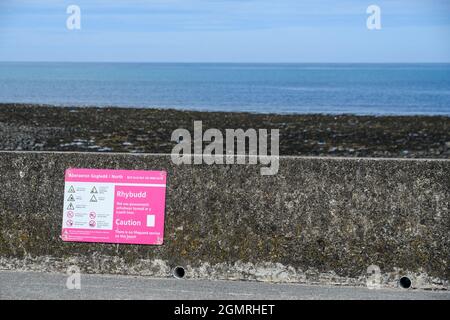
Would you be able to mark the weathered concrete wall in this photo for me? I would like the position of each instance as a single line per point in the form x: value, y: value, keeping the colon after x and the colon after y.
x: 317, y: 220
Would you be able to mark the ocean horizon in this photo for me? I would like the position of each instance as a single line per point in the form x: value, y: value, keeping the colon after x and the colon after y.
x: 283, y: 88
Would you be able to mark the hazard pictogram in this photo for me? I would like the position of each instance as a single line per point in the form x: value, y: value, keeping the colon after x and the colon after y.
x: 93, y: 199
x: 94, y: 190
x: 71, y: 198
x: 71, y: 189
x: 70, y: 207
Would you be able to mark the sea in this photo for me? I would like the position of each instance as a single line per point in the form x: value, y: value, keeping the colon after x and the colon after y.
x: 288, y: 88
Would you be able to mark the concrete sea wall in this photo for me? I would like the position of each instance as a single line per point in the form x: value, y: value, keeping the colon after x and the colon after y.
x: 319, y: 220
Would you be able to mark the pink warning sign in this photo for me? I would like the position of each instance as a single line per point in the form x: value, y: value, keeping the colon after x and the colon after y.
x: 114, y: 206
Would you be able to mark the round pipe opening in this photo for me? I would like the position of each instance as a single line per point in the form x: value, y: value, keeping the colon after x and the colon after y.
x: 178, y: 272
x: 405, y: 282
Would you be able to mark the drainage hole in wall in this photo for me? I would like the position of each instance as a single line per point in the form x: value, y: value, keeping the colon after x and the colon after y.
x: 179, y: 272
x: 405, y: 282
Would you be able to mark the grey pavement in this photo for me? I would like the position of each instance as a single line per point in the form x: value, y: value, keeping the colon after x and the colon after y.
x: 34, y: 285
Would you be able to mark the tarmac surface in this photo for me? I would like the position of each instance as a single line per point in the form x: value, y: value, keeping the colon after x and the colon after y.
x: 34, y: 285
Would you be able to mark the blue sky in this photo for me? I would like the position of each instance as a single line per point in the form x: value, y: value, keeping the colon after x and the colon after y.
x: 225, y: 31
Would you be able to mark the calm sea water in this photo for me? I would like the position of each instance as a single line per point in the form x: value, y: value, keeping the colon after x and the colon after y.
x: 278, y: 88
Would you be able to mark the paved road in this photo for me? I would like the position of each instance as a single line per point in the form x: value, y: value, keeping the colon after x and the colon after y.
x: 33, y: 285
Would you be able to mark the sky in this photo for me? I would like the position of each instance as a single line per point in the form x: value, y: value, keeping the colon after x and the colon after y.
x: 225, y: 31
